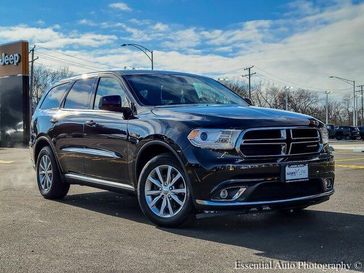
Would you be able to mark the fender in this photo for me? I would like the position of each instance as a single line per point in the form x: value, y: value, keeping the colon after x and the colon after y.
x: 181, y: 159
x: 53, y: 148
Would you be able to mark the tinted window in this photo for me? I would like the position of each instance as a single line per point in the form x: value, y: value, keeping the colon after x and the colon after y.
x: 109, y: 87
x: 54, y: 97
x: 181, y: 89
x: 79, y: 95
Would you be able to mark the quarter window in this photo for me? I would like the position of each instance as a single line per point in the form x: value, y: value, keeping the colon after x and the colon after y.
x: 80, y: 94
x: 109, y: 87
x: 54, y: 97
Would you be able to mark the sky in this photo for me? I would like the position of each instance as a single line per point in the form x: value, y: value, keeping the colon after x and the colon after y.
x: 290, y: 43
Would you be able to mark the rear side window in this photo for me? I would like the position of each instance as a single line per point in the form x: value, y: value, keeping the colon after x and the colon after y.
x: 54, y: 97
x: 109, y: 87
x: 79, y: 95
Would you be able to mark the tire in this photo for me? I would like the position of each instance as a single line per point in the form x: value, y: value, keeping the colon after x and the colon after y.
x: 168, y: 205
x: 49, y: 179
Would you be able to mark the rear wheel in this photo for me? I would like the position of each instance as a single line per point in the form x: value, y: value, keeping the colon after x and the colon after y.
x: 49, y: 180
x: 163, y: 192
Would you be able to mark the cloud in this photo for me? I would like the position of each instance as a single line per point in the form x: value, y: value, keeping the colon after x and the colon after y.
x: 87, y: 22
x: 51, y: 37
x: 120, y: 6
x: 300, y: 49
x: 160, y: 27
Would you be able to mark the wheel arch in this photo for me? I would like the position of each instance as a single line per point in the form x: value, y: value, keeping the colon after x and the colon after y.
x: 40, y: 143
x: 152, y: 149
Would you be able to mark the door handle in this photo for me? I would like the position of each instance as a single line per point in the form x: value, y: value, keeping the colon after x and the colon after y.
x: 91, y: 123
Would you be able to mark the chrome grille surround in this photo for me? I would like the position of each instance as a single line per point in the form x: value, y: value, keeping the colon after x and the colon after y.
x: 279, y: 142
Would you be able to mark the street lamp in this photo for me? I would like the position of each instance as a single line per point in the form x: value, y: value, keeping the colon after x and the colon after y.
x: 146, y: 51
x: 351, y: 82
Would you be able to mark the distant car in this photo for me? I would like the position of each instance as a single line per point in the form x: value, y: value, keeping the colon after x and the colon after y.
x: 14, y: 135
x: 347, y: 132
x: 361, y: 132
x: 331, y: 129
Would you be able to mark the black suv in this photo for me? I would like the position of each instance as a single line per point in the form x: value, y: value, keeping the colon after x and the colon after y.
x: 347, y: 132
x: 184, y: 144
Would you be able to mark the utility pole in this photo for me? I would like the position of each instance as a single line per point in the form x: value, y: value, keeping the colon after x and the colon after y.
x: 32, y: 60
x: 355, y: 121
x: 327, y: 106
x: 362, y: 104
x: 249, y: 75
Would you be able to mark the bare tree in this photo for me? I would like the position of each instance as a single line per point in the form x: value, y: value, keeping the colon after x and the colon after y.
x: 301, y: 101
x: 44, y: 78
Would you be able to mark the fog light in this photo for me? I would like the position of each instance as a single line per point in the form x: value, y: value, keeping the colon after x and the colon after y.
x: 224, y: 194
x: 328, y: 183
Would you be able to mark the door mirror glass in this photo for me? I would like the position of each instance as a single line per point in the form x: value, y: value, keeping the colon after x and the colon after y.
x: 110, y: 103
x: 113, y: 103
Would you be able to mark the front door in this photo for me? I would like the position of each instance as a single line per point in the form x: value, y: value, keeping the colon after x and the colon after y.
x: 105, y: 134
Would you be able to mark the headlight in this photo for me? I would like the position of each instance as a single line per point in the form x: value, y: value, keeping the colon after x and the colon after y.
x: 324, y: 135
x: 218, y: 139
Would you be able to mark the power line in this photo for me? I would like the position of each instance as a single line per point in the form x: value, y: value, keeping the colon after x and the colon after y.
x: 79, y: 58
x: 70, y: 62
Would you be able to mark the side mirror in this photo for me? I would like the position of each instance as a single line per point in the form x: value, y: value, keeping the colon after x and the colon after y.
x: 248, y: 101
x: 110, y: 103
x: 113, y: 103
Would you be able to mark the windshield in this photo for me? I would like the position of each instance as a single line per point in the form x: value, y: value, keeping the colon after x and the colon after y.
x: 181, y: 89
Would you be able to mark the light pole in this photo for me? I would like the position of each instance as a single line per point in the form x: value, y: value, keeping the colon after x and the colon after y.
x: 351, y: 82
x: 146, y: 51
x: 327, y: 106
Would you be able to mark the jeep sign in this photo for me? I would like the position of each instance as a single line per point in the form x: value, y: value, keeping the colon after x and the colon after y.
x: 6, y: 59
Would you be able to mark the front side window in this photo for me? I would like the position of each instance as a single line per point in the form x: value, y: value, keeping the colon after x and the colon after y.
x: 54, y: 97
x: 79, y: 95
x: 109, y: 87
x: 181, y: 89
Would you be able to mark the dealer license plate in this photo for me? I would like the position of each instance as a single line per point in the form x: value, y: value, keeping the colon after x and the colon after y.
x: 296, y: 172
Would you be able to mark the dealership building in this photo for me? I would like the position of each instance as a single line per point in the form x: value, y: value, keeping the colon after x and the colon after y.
x: 14, y: 94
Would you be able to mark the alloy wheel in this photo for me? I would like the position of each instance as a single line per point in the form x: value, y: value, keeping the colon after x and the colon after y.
x: 165, y: 191
x: 45, y: 173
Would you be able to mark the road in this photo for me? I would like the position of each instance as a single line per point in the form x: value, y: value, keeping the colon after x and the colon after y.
x: 98, y: 231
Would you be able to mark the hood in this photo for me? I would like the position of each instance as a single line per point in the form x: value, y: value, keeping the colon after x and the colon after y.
x: 232, y: 116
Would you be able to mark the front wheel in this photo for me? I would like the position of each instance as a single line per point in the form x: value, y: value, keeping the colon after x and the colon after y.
x: 164, y: 193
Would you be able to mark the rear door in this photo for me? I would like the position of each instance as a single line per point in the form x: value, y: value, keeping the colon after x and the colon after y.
x: 69, y: 121
x: 106, y: 135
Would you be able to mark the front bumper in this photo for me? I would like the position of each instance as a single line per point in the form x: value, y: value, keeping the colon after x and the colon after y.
x: 273, y: 204
x: 264, y: 184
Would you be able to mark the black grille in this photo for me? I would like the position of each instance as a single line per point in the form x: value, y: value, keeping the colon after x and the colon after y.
x: 280, y: 142
x: 279, y: 190
x: 262, y: 149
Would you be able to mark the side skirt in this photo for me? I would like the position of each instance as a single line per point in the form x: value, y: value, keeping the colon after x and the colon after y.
x: 97, y: 182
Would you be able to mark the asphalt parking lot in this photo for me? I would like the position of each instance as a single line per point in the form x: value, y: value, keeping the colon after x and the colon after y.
x: 98, y: 231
